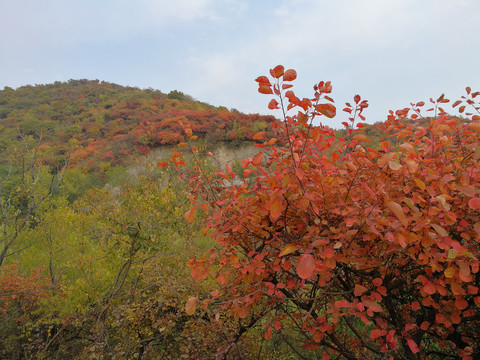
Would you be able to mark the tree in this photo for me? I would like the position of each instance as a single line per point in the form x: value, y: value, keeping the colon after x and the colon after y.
x: 23, y: 188
x: 359, y: 252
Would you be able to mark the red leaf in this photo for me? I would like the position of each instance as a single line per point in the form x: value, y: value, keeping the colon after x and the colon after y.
x: 305, y: 266
x: 359, y: 290
x: 273, y: 104
x: 268, y: 333
x: 413, y: 346
x: 474, y: 203
x: 263, y: 80
x: 162, y: 164
x: 376, y: 333
x: 247, y: 172
x: 461, y: 303
x: 430, y: 288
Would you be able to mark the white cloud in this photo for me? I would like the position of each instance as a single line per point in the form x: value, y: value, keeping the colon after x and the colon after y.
x: 391, y: 52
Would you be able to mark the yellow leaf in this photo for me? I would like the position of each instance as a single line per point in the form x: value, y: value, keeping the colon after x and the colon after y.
x: 420, y: 184
x: 449, y: 272
x: 407, y: 147
x: 412, y: 165
x: 191, y: 305
x: 441, y: 199
x: 288, y: 250
x: 394, y: 165
x: 440, y: 230
x: 398, y: 211
x: 468, y: 190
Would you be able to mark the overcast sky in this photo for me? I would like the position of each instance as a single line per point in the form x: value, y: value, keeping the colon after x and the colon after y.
x: 391, y: 52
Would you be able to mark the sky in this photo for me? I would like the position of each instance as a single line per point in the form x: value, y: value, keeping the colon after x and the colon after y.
x: 391, y: 52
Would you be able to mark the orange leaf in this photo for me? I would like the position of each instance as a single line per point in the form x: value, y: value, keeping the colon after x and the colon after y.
x: 305, y: 266
x: 290, y: 75
x: 328, y: 110
x: 181, y: 144
x: 272, y: 141
x: 475, y: 126
x: 288, y: 250
x: 191, y: 305
x: 361, y: 137
x: 259, y: 135
x: 277, y: 71
x: 265, y: 89
x: 276, y: 210
x: 398, y: 211
x: 188, y: 132
x: 162, y: 164
x: 257, y: 159
x: 190, y: 214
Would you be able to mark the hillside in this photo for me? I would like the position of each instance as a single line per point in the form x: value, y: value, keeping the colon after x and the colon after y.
x: 102, y: 123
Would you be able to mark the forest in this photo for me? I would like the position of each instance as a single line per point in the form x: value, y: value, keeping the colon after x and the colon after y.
x: 124, y: 236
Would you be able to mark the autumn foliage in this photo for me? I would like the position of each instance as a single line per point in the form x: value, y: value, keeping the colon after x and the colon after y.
x: 361, y: 252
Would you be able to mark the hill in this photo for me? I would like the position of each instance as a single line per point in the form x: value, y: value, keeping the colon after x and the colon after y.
x: 102, y: 124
